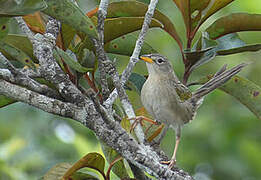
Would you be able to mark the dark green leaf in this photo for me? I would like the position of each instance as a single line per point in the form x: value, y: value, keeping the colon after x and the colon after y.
x: 229, y: 41
x: 234, y: 23
x: 91, y: 160
x: 57, y: 171
x: 125, y: 45
x: 60, y: 169
x: 213, y: 7
x: 199, y: 57
x: 116, y: 27
x: 4, y: 27
x: 67, y: 12
x: 207, y: 49
x: 17, y: 54
x: 252, y: 48
x: 195, y: 12
x: 26, y: 46
x: 138, y: 9
x: 21, y: 7
x: 138, y: 80
x: 68, y: 34
x: 83, y: 176
x: 71, y: 62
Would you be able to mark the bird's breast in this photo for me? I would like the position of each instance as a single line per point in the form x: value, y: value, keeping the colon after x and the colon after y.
x: 162, y: 102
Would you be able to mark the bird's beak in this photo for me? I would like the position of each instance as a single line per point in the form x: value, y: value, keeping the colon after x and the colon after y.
x: 146, y: 59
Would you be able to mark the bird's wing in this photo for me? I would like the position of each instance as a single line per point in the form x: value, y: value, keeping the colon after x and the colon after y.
x: 183, y: 92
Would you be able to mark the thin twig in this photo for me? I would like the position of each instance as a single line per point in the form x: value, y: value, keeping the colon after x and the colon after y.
x: 135, y: 55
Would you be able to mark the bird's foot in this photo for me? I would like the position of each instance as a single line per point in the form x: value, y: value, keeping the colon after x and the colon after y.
x: 170, y: 163
x: 139, y: 120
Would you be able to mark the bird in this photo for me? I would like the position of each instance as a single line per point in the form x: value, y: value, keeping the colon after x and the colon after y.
x: 171, y: 102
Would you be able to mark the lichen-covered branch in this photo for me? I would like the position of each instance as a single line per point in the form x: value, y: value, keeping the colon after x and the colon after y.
x: 113, y: 134
x: 45, y: 103
x: 20, y: 77
x: 43, y: 49
x: 102, y: 12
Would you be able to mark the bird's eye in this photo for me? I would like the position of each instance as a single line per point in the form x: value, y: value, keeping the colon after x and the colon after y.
x: 160, y: 61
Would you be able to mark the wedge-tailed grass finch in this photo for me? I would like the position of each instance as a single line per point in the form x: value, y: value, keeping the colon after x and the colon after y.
x: 171, y: 102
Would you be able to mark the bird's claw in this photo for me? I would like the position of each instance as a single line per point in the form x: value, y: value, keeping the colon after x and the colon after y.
x: 170, y: 163
x: 137, y: 120
x: 140, y: 119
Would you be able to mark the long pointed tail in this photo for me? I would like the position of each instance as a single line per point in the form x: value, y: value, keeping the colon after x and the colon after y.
x: 221, y: 77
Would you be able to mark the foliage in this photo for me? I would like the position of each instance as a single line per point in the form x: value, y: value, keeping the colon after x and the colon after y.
x: 76, y: 53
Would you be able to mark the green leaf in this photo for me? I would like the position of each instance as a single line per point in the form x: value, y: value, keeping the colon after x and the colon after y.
x: 91, y: 160
x: 213, y: 7
x: 67, y: 12
x: 199, y: 57
x: 17, y: 54
x: 68, y: 34
x: 4, y: 27
x: 138, y: 9
x: 207, y: 49
x: 118, y: 168
x: 125, y: 45
x: 252, y: 48
x: 57, y: 171
x: 229, y: 41
x: 15, y: 41
x: 116, y: 27
x: 195, y: 12
x: 4, y: 101
x: 234, y: 23
x: 21, y: 7
x: 83, y: 176
x: 71, y: 62
x: 244, y: 90
x: 183, y: 6
x: 122, y: 62
x: 137, y: 80
x: 60, y: 169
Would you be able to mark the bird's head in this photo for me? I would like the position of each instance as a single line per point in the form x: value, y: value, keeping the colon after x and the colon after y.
x: 157, y: 63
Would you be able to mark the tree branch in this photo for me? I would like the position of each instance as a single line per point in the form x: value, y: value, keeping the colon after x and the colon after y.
x: 49, y: 69
x: 45, y: 103
x: 102, y: 12
x: 20, y: 77
x: 113, y: 134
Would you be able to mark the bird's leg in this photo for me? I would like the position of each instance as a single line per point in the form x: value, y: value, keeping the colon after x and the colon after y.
x: 139, y: 119
x: 172, y: 161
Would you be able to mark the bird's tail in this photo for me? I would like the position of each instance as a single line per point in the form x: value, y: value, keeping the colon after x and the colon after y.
x: 221, y: 77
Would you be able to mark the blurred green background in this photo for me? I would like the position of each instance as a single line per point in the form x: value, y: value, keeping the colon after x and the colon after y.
x: 223, y: 142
